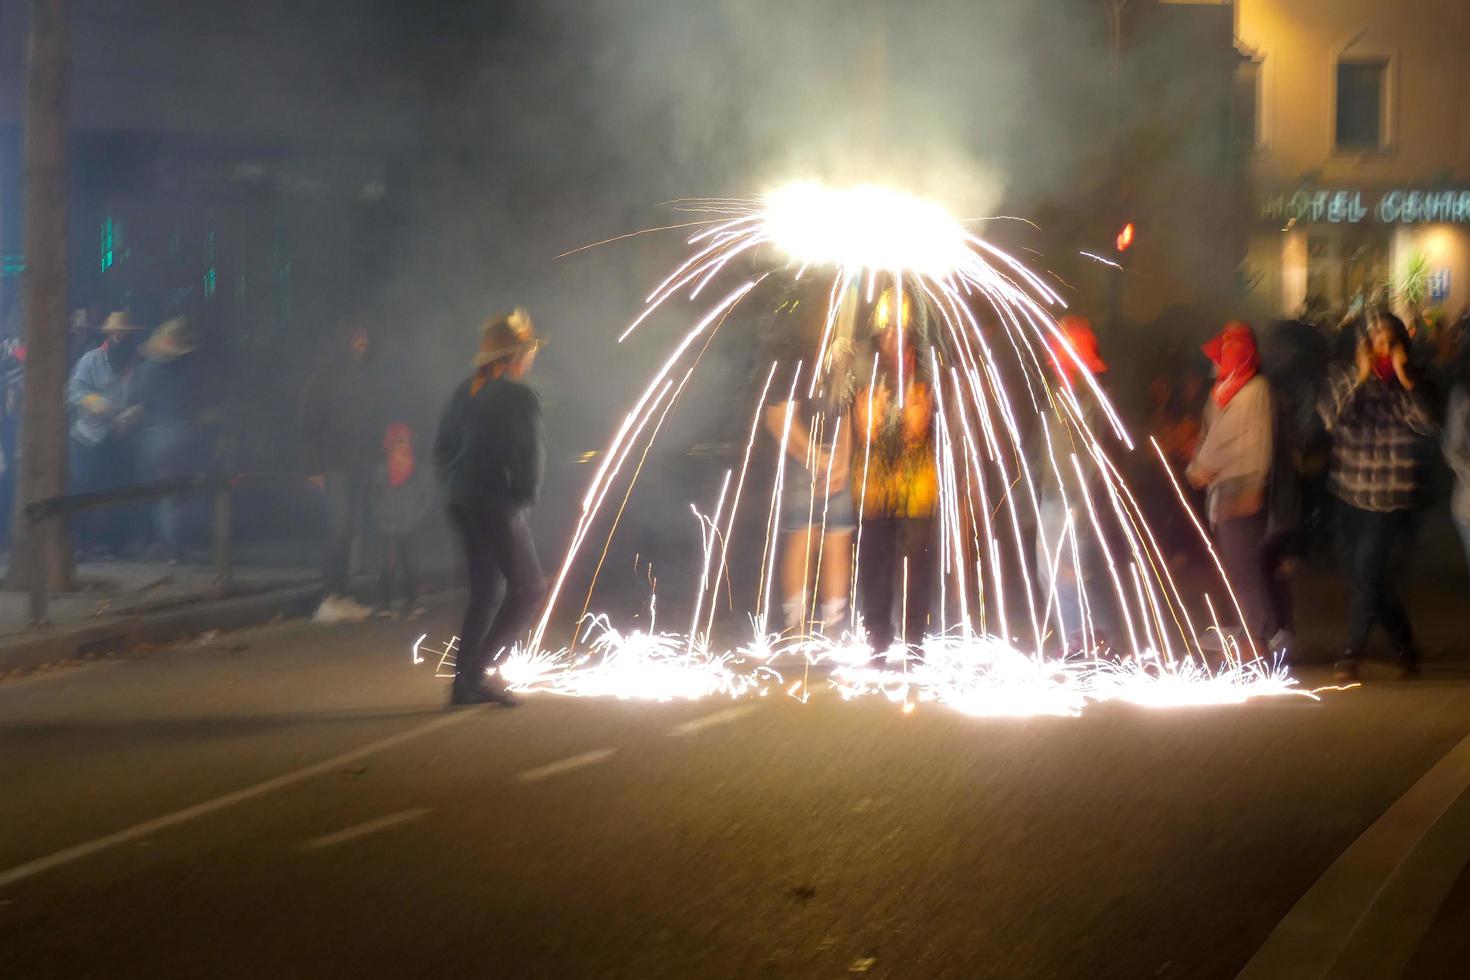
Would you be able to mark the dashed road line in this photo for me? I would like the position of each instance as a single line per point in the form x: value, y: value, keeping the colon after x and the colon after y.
x: 565, y: 765
x: 363, y: 829
x: 149, y: 827
x: 697, y: 725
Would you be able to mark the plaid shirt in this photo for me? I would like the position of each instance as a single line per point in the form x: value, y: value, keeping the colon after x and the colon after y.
x: 1376, y: 427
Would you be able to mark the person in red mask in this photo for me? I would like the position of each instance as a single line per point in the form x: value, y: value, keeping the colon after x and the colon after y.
x: 1067, y: 556
x: 1233, y: 465
x: 401, y: 496
x: 1377, y: 416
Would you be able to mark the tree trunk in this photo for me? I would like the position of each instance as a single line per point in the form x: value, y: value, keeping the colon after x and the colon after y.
x: 43, y: 436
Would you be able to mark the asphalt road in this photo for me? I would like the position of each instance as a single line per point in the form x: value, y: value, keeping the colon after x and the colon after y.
x: 297, y: 802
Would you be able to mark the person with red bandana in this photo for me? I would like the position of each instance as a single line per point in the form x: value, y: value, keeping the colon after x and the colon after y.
x: 1377, y: 416
x: 1066, y: 552
x: 400, y: 497
x: 1233, y: 465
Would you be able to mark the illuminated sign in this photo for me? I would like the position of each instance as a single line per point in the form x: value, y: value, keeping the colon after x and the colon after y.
x: 1351, y: 207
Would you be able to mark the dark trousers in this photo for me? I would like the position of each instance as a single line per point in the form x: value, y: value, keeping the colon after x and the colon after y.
x: 164, y: 452
x: 1371, y: 540
x: 886, y: 542
x: 1254, y: 567
x: 398, y: 559
x: 346, y: 492
x: 101, y: 467
x: 506, y: 585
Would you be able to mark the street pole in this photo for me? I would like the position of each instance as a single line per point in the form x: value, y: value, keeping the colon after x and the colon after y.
x: 44, y: 547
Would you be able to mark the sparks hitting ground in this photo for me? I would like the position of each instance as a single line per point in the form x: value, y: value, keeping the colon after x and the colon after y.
x: 1009, y: 389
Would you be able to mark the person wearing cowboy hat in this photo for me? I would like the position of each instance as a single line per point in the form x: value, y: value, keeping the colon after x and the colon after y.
x: 101, y: 397
x: 489, y: 453
x: 169, y: 392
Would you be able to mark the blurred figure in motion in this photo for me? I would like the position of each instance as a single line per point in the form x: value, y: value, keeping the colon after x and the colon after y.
x: 490, y: 455
x: 400, y: 500
x: 170, y: 401
x: 102, y: 398
x: 1376, y: 417
x: 1065, y: 545
x: 1457, y: 449
x: 341, y: 428
x: 816, y: 512
x: 898, y: 481
x: 1233, y: 465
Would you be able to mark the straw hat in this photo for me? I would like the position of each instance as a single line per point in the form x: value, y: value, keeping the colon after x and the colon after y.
x: 505, y: 335
x: 172, y: 339
x: 119, y: 322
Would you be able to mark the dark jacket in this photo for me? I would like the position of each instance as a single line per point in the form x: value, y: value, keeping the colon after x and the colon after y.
x: 401, y: 509
x: 489, y: 450
x: 342, y: 424
x: 169, y: 391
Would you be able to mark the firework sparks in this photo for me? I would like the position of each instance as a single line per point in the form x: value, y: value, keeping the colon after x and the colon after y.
x: 1001, y: 371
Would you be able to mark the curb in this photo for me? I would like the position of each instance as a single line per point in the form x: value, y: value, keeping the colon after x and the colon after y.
x: 57, y: 644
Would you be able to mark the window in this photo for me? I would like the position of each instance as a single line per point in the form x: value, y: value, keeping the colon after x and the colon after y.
x: 1360, y: 104
x: 1245, y: 107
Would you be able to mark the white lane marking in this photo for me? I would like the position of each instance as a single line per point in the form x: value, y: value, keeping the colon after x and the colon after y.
x: 78, y: 851
x: 363, y: 829
x: 565, y: 765
x: 696, y: 725
x: 1324, y: 931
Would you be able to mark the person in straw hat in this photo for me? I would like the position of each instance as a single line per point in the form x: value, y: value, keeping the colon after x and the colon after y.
x: 489, y: 453
x: 169, y: 396
x: 101, y: 397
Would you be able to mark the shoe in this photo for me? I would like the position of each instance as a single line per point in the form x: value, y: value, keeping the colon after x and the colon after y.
x: 352, y: 610
x: 1346, y: 671
x: 461, y: 694
x: 1282, y: 645
x: 1408, y: 659
x: 330, y: 612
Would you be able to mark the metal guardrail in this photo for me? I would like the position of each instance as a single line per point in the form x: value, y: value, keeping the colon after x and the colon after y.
x: 221, y: 487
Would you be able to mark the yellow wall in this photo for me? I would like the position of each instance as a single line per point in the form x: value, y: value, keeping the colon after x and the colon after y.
x: 1426, y: 42
x: 1299, y: 42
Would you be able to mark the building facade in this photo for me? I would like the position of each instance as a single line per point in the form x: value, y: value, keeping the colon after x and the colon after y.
x: 1355, y: 116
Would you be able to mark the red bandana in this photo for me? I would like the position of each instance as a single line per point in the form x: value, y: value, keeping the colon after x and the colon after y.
x: 1234, y: 353
x: 398, y: 443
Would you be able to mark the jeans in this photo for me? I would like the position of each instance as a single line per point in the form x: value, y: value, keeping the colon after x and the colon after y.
x: 887, y: 542
x: 101, y: 467
x: 1071, y: 579
x: 163, y: 453
x: 399, y: 559
x: 506, y: 585
x: 346, y: 492
x: 1371, y: 541
x: 1254, y: 568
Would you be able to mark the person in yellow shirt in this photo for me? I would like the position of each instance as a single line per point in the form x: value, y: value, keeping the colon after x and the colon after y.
x: 893, y: 467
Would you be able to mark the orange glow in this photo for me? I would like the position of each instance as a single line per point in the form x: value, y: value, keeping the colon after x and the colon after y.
x: 1125, y: 237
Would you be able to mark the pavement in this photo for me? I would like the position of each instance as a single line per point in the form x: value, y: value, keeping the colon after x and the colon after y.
x: 296, y: 801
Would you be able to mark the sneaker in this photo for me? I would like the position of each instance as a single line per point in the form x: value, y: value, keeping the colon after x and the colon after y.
x: 1282, y: 645
x: 329, y: 613
x: 1346, y: 671
x: 1408, y: 659
x: 352, y: 610
x: 485, y: 693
